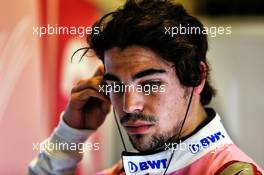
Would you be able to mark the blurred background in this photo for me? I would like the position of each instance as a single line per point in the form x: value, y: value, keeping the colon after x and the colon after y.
x: 36, y: 75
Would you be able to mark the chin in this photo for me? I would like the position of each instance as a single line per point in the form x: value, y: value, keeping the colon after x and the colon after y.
x: 139, y: 142
x: 143, y: 143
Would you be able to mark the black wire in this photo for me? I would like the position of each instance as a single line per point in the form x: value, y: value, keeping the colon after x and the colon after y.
x: 186, y: 113
x: 122, y: 139
x: 84, y: 53
x: 83, y: 48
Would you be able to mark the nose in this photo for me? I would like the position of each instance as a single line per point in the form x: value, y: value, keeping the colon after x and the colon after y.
x: 133, y: 102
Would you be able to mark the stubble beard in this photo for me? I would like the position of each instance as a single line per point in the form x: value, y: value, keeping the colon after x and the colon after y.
x: 142, y: 143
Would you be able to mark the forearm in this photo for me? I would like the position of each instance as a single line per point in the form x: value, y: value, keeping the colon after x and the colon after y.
x: 60, y: 153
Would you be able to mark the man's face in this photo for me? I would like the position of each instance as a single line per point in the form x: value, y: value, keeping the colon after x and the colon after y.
x: 150, y: 120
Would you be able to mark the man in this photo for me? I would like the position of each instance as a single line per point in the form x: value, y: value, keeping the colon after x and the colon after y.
x: 158, y: 85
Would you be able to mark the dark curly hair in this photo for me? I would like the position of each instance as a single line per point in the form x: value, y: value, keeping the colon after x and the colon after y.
x: 142, y: 23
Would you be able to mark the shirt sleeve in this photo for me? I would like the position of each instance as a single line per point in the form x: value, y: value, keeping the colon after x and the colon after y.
x: 60, y: 153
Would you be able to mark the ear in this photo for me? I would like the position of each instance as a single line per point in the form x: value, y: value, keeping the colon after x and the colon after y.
x: 198, y: 89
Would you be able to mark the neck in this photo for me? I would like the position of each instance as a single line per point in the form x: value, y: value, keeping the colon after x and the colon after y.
x: 196, y: 116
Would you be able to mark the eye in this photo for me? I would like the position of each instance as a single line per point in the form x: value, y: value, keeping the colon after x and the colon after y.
x: 149, y: 86
x: 151, y: 83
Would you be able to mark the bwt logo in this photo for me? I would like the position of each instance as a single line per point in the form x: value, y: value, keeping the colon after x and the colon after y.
x: 206, y: 142
x: 155, y: 164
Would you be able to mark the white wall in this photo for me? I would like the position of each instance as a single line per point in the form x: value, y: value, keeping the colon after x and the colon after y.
x: 22, y: 118
x: 237, y: 64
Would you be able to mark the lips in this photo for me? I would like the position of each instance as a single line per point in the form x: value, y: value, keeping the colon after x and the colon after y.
x: 137, y: 127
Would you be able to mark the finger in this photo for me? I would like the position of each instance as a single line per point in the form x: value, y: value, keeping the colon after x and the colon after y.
x: 100, y: 70
x: 90, y: 83
x: 84, y: 95
x: 80, y: 82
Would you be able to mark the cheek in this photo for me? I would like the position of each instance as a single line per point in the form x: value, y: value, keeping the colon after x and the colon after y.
x: 166, y: 101
x: 117, y: 105
x: 116, y: 102
x: 159, y: 105
x: 169, y: 109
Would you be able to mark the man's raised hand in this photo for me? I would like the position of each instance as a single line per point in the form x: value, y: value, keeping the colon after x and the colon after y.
x: 87, y: 107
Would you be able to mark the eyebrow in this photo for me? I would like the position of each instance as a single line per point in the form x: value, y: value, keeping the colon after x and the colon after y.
x: 111, y: 77
x: 148, y: 72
